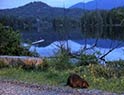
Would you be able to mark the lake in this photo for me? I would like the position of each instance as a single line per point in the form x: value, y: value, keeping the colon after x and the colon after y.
x: 103, y: 43
x: 116, y: 54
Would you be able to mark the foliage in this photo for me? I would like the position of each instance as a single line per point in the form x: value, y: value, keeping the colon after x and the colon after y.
x: 10, y: 43
x: 52, y: 76
x: 62, y: 60
x: 94, y: 23
x: 18, y: 23
x: 3, y: 65
x: 61, y: 23
x: 108, y: 71
x: 88, y: 59
x: 44, y: 66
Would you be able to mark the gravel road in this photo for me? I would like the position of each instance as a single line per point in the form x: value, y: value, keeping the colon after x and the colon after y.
x: 20, y: 88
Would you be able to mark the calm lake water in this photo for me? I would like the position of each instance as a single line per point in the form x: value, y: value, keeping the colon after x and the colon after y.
x: 51, y: 37
x: 104, y: 43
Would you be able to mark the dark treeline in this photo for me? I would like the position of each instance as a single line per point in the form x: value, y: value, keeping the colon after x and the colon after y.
x: 98, y: 23
x: 104, y: 24
x: 18, y: 23
x: 35, y: 28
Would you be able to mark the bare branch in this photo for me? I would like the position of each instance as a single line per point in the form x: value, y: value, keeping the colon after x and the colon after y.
x: 103, y: 56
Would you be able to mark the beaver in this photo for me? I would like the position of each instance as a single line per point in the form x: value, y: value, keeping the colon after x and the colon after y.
x: 75, y: 81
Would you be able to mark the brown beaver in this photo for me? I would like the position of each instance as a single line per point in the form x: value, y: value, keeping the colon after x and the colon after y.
x: 76, y: 81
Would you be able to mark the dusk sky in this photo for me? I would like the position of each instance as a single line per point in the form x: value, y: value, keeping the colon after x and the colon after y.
x: 56, y: 3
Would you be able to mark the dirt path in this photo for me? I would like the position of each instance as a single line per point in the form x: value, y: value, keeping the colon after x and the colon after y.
x: 19, y: 88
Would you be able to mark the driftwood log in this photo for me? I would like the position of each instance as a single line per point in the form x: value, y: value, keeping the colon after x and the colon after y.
x: 20, y: 60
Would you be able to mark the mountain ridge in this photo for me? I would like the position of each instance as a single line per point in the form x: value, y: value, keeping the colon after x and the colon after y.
x: 36, y: 9
x: 99, y: 4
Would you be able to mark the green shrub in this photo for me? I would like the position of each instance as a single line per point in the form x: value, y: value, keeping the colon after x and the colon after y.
x: 87, y: 59
x: 10, y: 43
x: 44, y: 66
x: 2, y: 64
x: 110, y: 70
x: 117, y: 66
x: 62, y: 60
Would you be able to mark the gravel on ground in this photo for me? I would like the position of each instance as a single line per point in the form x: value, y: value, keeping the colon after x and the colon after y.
x: 21, y: 88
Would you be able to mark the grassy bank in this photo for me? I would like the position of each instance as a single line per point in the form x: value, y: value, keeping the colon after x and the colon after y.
x: 53, y: 76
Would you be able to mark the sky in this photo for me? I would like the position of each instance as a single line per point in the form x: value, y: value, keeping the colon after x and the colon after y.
x: 4, y: 4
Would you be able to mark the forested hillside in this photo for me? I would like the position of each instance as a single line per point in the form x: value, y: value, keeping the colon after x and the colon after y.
x: 105, y: 24
x: 38, y: 20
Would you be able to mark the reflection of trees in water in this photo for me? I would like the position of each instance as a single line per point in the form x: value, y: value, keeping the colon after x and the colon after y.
x: 103, y: 24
